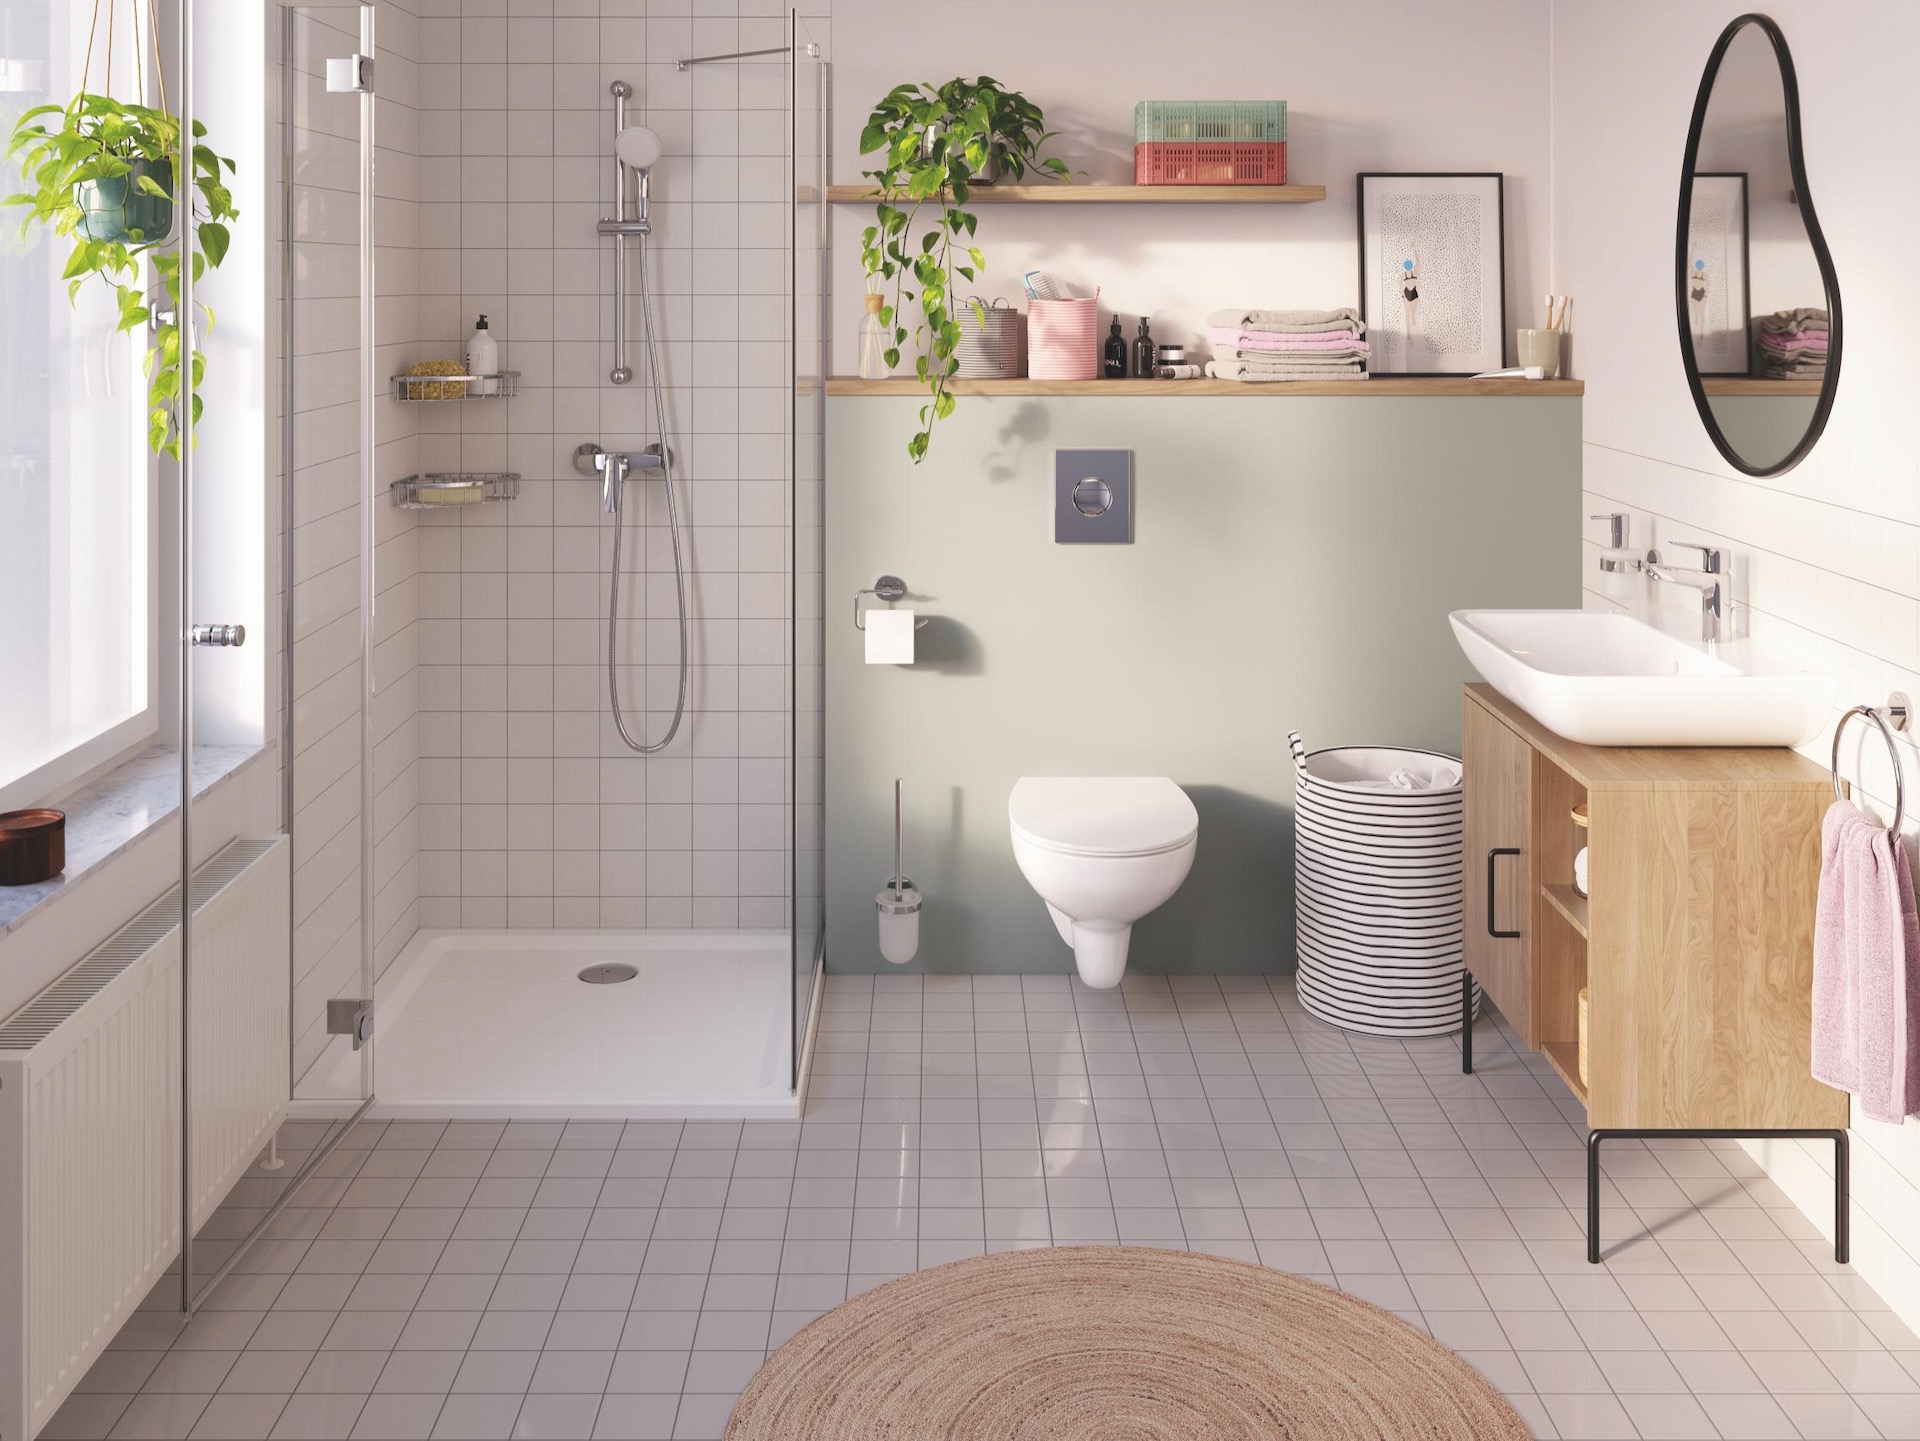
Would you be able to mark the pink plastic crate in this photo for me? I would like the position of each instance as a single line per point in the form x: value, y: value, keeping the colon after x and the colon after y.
x: 1239, y: 162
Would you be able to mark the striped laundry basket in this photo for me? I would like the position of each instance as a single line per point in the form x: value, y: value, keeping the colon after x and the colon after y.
x: 1377, y: 888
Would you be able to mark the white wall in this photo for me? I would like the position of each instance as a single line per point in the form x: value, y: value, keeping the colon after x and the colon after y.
x: 1831, y: 550
x: 1391, y: 85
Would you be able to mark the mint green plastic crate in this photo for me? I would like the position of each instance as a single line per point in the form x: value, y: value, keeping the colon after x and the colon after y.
x: 1203, y: 120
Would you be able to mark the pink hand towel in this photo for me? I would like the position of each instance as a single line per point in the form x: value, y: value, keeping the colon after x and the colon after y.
x: 1866, y: 967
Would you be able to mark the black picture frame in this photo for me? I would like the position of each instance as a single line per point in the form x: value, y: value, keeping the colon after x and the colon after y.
x: 1360, y: 223
x: 1823, y: 257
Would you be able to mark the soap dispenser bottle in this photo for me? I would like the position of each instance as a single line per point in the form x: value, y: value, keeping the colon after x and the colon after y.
x: 1114, y: 361
x: 1144, y: 357
x: 483, y: 359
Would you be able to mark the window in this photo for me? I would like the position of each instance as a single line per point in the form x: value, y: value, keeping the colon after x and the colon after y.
x: 78, y: 551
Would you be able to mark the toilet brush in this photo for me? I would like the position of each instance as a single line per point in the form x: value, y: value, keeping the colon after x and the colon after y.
x: 898, y: 903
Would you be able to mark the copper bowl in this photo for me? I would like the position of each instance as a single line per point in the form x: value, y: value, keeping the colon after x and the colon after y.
x: 33, y: 846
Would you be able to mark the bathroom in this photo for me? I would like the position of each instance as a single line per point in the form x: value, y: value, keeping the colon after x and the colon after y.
x: 718, y: 863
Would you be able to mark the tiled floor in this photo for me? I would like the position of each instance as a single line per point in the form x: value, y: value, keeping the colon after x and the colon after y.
x: 555, y: 1280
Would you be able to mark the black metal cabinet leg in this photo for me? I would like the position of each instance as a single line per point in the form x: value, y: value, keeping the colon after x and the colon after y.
x: 1593, y: 1197
x: 1466, y: 1021
x: 1842, y: 1177
x: 1842, y: 1204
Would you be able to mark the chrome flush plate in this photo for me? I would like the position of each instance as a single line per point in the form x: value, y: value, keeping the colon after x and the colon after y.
x: 1092, y: 497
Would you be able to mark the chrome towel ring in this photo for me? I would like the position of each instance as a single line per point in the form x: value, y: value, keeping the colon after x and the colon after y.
x: 1893, y: 716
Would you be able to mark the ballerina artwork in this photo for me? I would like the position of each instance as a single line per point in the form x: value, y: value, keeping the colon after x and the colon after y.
x: 1410, y: 297
x: 1697, y: 302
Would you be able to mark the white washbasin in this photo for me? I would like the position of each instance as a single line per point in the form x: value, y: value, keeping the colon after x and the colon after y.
x: 1606, y: 679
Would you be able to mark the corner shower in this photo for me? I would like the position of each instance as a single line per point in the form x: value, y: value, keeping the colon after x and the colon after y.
x: 591, y: 830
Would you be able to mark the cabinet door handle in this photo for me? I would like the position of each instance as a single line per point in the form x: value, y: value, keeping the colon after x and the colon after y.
x: 1492, y: 929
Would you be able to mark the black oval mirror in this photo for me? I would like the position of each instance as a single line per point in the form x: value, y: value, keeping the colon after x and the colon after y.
x: 1754, y: 289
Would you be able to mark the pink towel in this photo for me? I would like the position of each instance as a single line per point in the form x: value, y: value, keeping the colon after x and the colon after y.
x: 1809, y: 341
x: 1866, y: 967
x: 1228, y: 338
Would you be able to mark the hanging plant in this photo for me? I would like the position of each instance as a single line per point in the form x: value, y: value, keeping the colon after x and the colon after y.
x: 936, y: 144
x: 105, y: 174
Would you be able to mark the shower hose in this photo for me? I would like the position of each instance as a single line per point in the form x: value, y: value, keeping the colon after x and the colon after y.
x: 650, y: 343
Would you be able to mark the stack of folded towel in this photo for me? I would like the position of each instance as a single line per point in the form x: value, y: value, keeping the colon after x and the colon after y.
x: 1287, y: 345
x: 1791, y: 344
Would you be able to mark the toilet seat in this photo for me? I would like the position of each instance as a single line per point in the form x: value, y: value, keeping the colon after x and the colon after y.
x: 1102, y: 815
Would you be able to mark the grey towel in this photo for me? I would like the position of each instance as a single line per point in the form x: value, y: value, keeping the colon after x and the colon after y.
x: 1288, y: 322
x: 1794, y: 322
x: 1237, y: 370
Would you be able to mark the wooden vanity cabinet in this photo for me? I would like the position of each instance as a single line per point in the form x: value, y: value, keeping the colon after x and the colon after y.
x: 1696, y: 943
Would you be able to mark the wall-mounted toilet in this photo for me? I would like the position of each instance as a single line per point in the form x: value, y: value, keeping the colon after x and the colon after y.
x: 1102, y: 851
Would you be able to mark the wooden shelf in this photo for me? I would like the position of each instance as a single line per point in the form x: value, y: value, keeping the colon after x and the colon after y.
x: 1570, y: 903
x: 1112, y: 194
x: 1755, y: 385
x: 1378, y: 385
x: 1564, y: 1057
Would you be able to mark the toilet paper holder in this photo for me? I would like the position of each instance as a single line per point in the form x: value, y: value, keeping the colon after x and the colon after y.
x: 888, y: 588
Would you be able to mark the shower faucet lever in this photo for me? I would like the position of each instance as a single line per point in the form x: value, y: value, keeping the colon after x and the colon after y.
x: 613, y: 467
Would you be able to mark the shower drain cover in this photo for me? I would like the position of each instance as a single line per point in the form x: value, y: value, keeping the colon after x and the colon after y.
x: 608, y: 975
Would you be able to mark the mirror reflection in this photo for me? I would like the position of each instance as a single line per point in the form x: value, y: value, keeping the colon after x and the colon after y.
x: 1757, y: 329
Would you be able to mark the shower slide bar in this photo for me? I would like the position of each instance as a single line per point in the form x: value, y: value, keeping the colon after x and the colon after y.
x: 620, y: 227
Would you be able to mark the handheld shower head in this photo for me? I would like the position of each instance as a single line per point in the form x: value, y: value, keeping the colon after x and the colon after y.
x: 637, y: 148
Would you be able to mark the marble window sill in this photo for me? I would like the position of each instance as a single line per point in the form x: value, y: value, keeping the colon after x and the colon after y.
x: 106, y: 816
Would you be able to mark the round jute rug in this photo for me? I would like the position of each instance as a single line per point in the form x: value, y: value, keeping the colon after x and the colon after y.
x: 1115, y: 1343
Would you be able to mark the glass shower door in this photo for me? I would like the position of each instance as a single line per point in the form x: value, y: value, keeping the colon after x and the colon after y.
x: 331, y: 691
x: 809, y: 115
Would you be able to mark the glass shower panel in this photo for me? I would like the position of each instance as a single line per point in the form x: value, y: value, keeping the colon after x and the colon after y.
x: 327, y: 399
x: 808, y: 255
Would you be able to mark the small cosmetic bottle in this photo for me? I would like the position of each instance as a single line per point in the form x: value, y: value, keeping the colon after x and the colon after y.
x: 1113, y: 364
x: 1144, y: 358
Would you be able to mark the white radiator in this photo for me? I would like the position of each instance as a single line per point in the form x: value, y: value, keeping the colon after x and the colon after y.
x: 90, y: 1117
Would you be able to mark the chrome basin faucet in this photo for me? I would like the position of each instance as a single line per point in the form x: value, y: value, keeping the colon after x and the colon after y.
x: 1708, y: 578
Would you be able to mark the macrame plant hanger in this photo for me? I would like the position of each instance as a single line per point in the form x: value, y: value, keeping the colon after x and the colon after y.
x: 133, y: 22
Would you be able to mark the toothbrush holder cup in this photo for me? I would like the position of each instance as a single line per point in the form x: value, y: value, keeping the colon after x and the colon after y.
x: 1063, y: 339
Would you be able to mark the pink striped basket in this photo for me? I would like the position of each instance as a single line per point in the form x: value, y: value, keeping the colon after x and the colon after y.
x: 1063, y: 339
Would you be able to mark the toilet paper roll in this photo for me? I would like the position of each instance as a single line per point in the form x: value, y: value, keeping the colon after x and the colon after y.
x: 889, y: 637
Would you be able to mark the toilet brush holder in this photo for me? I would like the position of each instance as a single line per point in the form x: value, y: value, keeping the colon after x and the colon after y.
x: 898, y: 903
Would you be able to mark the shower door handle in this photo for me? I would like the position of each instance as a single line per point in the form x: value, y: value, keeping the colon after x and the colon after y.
x: 227, y: 635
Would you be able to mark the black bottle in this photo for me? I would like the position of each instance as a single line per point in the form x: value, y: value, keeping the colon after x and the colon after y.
x: 1114, y: 362
x: 1145, y: 358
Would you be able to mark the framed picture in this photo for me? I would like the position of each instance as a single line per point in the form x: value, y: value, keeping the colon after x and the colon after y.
x: 1718, y: 318
x: 1433, y: 286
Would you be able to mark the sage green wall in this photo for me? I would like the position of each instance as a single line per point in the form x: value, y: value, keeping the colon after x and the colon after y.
x: 1293, y: 562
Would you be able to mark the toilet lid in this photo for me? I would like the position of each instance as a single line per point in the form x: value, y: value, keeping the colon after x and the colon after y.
x: 1102, y: 815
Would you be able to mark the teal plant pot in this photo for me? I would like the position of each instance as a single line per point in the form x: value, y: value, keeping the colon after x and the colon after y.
x: 115, y: 208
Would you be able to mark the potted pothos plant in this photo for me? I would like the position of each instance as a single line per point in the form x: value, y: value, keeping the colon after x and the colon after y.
x: 936, y: 143
x: 104, y: 174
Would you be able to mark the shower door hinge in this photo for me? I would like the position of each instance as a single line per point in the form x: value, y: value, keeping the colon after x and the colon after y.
x: 350, y: 75
x: 351, y: 1017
